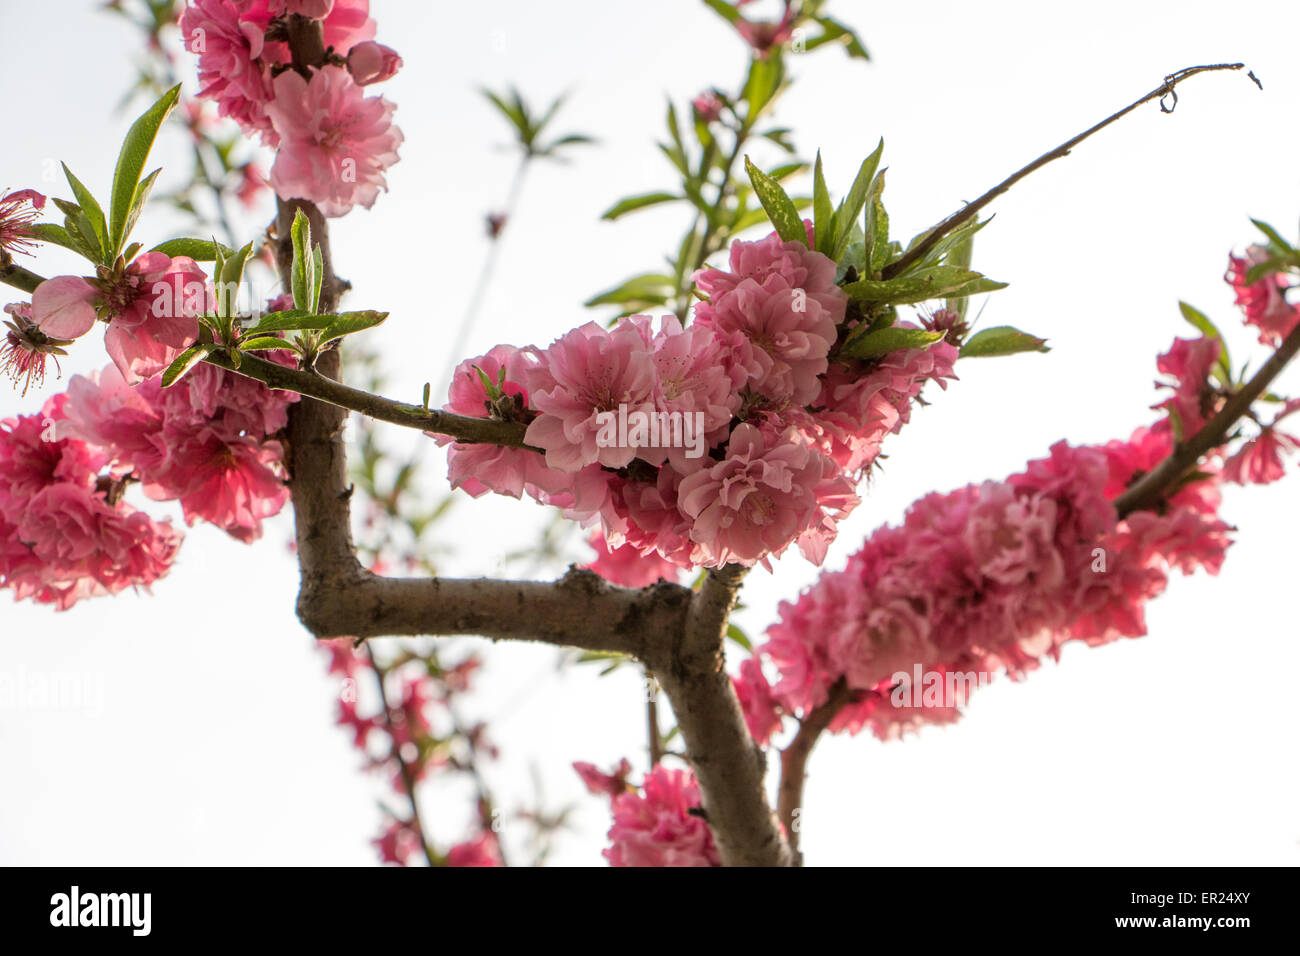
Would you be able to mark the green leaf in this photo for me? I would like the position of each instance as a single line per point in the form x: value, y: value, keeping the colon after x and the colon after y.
x: 56, y: 234
x: 303, y: 281
x: 348, y: 323
x: 780, y: 209
x: 1001, y: 340
x: 723, y: 9
x: 317, y: 275
x: 740, y: 637
x: 137, y: 203
x: 846, y: 216
x: 191, y: 357
x: 264, y: 343
x: 130, y: 164
x: 884, y: 341
x: 649, y: 289
x: 1201, y: 322
x: 937, y: 283
x: 1274, y: 237
x: 877, y: 227
x: 761, y: 85
x: 631, y: 203
x: 836, y: 32
x: 94, y: 214
x: 200, y: 250
x: 823, y: 216
x: 289, y: 320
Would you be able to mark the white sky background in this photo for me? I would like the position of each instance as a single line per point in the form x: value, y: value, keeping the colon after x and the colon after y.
x: 209, y: 737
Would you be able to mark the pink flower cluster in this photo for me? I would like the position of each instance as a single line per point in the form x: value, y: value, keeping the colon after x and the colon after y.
x: 756, y: 439
x: 65, y: 534
x: 986, y: 578
x: 206, y: 441
x: 410, y: 741
x: 150, y: 307
x: 334, y: 142
x: 653, y: 825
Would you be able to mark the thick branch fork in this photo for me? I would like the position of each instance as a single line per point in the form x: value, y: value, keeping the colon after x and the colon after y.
x: 676, y: 632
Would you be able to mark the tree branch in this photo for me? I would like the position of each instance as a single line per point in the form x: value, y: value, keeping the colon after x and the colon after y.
x: 794, y: 761
x: 327, y: 389
x: 1153, y: 486
x: 917, y: 252
x: 729, y: 766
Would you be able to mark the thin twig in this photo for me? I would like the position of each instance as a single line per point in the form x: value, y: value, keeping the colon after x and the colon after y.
x: 1152, y: 486
x: 917, y: 252
x: 794, y: 761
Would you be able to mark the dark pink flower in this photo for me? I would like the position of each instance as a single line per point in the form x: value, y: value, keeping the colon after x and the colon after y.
x: 1264, y: 301
x: 657, y: 828
x: 605, y: 784
x: 1259, y: 461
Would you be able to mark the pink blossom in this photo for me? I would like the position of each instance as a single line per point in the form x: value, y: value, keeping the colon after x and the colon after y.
x: 583, y: 378
x: 335, y: 141
x: 707, y: 106
x: 1259, y: 461
x: 61, y: 537
x: 230, y: 45
x: 371, y: 62
x: 26, y: 348
x: 18, y: 209
x: 656, y: 827
x: 600, y: 783
x: 150, y: 309
x: 1263, y: 301
x: 757, y: 500
x: 399, y: 843
x: 205, y: 442
x: 627, y: 567
x: 481, y: 851
x: 479, y: 468
x: 762, y: 713
x: 1189, y: 362
x: 778, y: 309
x: 694, y: 374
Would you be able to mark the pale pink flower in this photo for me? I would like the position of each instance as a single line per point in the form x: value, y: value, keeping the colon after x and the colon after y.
x: 656, y: 827
x: 628, y: 567
x: 778, y: 309
x: 335, y: 141
x: 479, y: 468
x: 694, y: 375
x: 230, y: 44
x: 150, y: 309
x: 371, y: 62
x: 757, y: 500
x: 583, y: 381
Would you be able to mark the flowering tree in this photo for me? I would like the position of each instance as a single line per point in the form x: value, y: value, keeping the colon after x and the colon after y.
x: 738, y: 426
